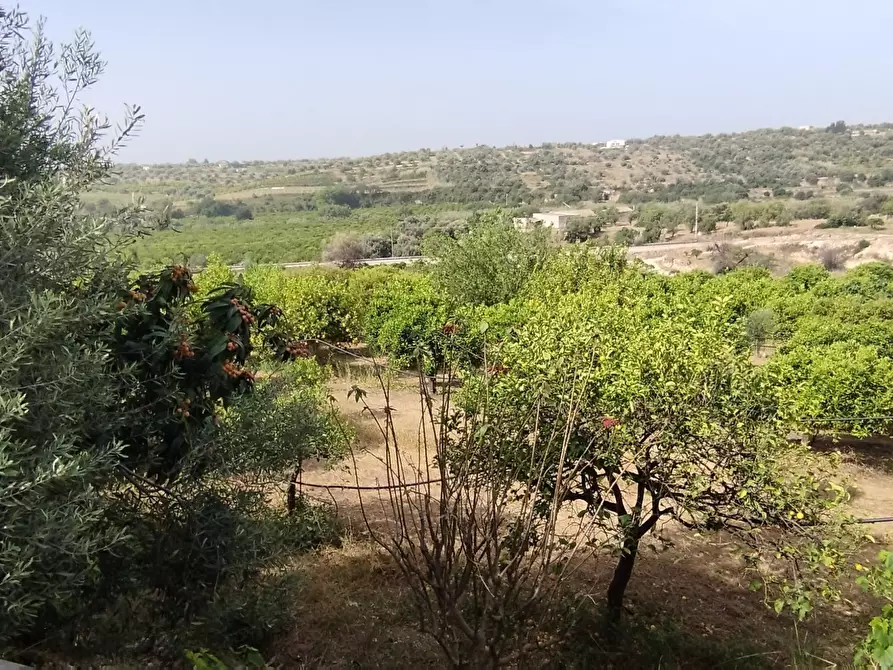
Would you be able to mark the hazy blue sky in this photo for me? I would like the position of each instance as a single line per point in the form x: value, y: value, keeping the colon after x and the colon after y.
x: 304, y: 78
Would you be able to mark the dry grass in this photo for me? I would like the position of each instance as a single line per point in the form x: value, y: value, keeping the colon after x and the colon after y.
x: 354, y: 612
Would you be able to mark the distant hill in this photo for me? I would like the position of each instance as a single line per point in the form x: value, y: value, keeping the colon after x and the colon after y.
x: 715, y: 167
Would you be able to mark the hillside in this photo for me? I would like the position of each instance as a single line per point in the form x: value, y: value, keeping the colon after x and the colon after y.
x: 761, y: 159
x: 285, y: 211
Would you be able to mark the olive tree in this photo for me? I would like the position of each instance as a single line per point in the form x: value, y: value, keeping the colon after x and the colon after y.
x: 60, y: 278
x: 489, y: 264
x: 112, y: 385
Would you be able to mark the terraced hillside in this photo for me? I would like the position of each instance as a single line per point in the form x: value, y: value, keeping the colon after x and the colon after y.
x: 670, y: 166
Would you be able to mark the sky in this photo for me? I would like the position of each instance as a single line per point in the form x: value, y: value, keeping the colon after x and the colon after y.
x: 288, y: 79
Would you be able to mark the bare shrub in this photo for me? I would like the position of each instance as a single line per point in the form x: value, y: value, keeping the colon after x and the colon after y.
x: 833, y: 258
x: 344, y: 248
x: 728, y: 257
x: 484, y: 551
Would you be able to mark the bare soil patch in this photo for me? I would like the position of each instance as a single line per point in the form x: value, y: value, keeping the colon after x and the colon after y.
x: 690, y: 604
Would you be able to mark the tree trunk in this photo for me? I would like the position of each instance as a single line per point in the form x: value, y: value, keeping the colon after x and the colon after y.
x: 292, y: 492
x: 620, y: 580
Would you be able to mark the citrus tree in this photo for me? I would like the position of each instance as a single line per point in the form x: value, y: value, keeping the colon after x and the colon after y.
x: 659, y: 385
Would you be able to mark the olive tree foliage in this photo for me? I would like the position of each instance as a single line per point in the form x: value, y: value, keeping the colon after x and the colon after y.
x: 672, y: 420
x: 344, y: 248
x: 59, y: 277
x: 490, y: 263
x: 760, y: 326
x: 114, y: 492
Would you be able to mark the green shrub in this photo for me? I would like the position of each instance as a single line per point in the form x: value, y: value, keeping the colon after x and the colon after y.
x: 805, y: 277
x: 876, y: 650
x: 760, y: 327
x: 60, y: 399
x: 846, y: 219
x: 842, y: 379
x: 488, y: 265
x: 120, y: 519
x: 625, y: 237
x: 405, y: 321
x: 315, y: 303
x: 284, y: 422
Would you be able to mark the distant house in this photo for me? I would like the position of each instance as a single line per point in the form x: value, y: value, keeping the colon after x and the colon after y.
x: 555, y: 220
x: 806, y: 128
x: 615, y: 144
x: 223, y: 164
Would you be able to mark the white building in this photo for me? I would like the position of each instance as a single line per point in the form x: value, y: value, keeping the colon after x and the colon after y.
x: 556, y: 220
x: 615, y: 144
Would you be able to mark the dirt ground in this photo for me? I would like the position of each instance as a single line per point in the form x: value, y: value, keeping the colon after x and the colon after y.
x: 354, y: 611
x: 801, y: 242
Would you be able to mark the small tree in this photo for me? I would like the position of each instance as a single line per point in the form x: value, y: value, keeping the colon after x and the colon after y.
x: 488, y: 265
x: 60, y: 276
x: 673, y: 420
x: 625, y: 237
x: 760, y: 327
x: 582, y: 228
x: 484, y: 551
x: 837, y: 128
x: 111, y: 386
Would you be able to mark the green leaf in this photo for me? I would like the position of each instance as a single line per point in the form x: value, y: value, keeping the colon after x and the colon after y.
x: 217, y: 346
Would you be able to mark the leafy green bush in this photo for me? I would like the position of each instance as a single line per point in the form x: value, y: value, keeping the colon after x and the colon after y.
x: 840, y: 380
x: 876, y: 650
x: 284, y: 422
x: 405, y: 320
x: 315, y: 303
x: 760, y: 327
x: 120, y: 521
x: 60, y: 411
x: 845, y: 219
x: 625, y: 237
x: 805, y: 277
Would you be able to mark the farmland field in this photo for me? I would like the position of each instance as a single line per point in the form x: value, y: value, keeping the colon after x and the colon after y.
x: 835, y: 180
x: 273, y: 237
x: 575, y: 405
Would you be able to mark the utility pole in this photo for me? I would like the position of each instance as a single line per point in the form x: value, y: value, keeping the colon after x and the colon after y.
x: 697, y: 214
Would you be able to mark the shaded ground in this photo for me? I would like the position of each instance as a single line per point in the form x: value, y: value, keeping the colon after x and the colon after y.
x: 689, y: 606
